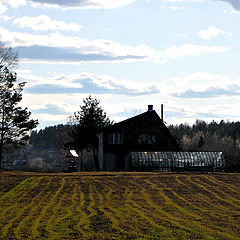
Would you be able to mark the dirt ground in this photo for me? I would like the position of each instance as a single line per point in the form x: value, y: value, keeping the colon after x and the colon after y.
x: 119, y: 205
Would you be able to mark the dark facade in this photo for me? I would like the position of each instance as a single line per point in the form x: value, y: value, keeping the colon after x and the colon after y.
x: 144, y: 132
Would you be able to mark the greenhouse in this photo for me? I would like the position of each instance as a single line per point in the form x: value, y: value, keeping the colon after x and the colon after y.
x: 174, y: 161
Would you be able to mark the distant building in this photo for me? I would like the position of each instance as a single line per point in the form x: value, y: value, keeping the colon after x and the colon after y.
x: 145, y: 132
x: 20, y: 164
x: 7, y: 165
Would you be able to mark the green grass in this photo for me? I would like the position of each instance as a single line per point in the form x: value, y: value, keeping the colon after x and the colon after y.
x: 119, y: 206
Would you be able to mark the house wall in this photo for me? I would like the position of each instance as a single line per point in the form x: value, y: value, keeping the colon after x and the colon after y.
x: 113, y: 155
x: 111, y: 163
x: 128, y: 162
x: 100, y: 151
x: 87, y: 160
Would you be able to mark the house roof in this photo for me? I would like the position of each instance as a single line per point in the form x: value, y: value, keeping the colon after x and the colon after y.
x: 141, y: 117
x: 146, y: 123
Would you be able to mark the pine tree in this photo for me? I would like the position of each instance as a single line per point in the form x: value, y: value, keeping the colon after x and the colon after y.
x: 15, y: 123
x: 87, y: 124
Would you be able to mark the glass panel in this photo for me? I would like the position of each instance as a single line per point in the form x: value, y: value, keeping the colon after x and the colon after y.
x: 178, y: 159
x: 115, y: 138
x: 146, y: 139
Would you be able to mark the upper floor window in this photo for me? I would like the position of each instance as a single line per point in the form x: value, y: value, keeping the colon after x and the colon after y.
x: 146, y: 139
x: 115, y: 138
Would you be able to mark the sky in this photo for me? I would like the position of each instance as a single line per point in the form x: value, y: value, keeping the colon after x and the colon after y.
x: 183, y: 54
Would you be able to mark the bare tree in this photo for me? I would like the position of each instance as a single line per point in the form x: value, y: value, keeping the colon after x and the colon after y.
x: 8, y: 57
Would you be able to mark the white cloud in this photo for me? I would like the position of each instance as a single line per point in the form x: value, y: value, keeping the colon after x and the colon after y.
x: 58, y: 106
x: 181, y: 35
x: 57, y: 48
x: 5, y: 18
x: 84, y: 82
x: 212, y: 32
x: 15, y: 3
x: 175, y: 1
x: 201, y: 81
x: 61, y: 80
x: 234, y: 3
x: 172, y: 7
x: 75, y: 48
x: 175, y: 7
x: 187, y: 49
x: 3, y: 8
x: 46, y: 119
x: 44, y: 23
x: 96, y: 4
x: 50, y: 100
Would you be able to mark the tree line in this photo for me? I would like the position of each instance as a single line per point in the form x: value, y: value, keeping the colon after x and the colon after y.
x: 213, y: 136
x: 201, y: 136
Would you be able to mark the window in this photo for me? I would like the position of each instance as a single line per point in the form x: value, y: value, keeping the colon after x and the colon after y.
x: 115, y: 138
x: 146, y: 139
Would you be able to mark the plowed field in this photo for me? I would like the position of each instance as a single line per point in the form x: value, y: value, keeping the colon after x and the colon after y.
x: 119, y: 206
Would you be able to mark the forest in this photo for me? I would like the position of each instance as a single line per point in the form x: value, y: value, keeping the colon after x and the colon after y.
x: 213, y: 136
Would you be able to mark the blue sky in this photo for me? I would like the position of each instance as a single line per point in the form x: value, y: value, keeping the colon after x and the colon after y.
x: 128, y: 53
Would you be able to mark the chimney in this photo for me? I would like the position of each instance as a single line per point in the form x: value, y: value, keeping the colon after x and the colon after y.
x: 162, y: 111
x: 150, y: 108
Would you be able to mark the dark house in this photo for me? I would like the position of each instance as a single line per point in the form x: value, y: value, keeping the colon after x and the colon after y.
x: 143, y: 133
